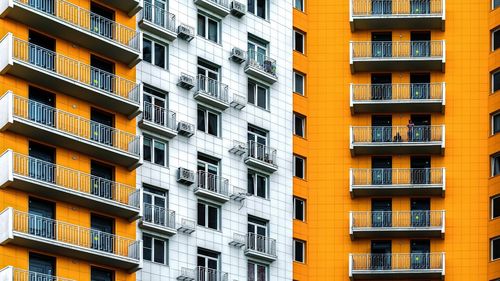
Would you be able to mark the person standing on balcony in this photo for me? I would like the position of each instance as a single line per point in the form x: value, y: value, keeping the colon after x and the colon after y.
x: 410, y: 130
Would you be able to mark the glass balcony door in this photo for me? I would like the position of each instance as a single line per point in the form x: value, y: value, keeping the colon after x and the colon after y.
x: 381, y: 87
x: 381, y: 255
x: 155, y: 106
x: 101, y: 127
x: 101, y: 181
x: 421, y: 129
x: 208, y: 172
x: 101, y: 233
x: 41, y: 107
x: 101, y: 20
x: 420, y: 7
x: 381, y: 7
x: 41, y: 218
x: 102, y: 74
x: 257, y: 230
x: 381, y: 170
x: 420, y: 44
x: 155, y: 11
x: 257, y: 142
x: 41, y: 162
x: 41, y: 267
x: 420, y: 169
x: 46, y: 6
x: 420, y: 85
x: 381, y: 212
x: 208, y: 265
x: 420, y: 254
x: 381, y: 44
x: 420, y: 215
x: 381, y: 128
x: 41, y: 51
x: 155, y: 206
x: 210, y: 79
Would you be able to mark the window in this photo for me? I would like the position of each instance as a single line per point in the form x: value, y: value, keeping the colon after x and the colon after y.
x: 208, y: 121
x: 495, y: 248
x: 299, y: 209
x: 299, y: 5
x: 155, y: 151
x: 495, y: 207
x: 495, y: 165
x: 155, y: 106
x: 208, y: 28
x: 256, y: 271
x: 155, y: 53
x: 208, y: 215
x: 495, y: 81
x: 299, y: 166
x: 258, y: 8
x: 298, y: 83
x: 208, y: 264
x: 257, y: 184
x: 299, y: 39
x: 154, y: 249
x: 495, y: 39
x: 495, y: 123
x: 299, y: 125
x: 257, y: 49
x: 496, y: 4
x: 101, y: 274
x: 208, y: 172
x: 257, y: 94
x: 155, y: 206
x: 299, y: 250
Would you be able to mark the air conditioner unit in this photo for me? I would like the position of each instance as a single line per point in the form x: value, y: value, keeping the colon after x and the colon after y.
x: 186, y: 81
x: 185, y: 32
x: 185, y: 129
x: 185, y: 176
x: 238, y: 9
x: 237, y: 55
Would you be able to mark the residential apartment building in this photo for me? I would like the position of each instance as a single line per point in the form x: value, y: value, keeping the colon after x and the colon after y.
x: 396, y: 175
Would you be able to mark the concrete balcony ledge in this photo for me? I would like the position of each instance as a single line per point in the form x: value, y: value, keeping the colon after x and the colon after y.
x: 381, y: 224
x: 51, y: 125
x: 10, y: 273
x: 218, y: 7
x: 154, y: 19
x: 201, y: 273
x: 212, y: 187
x: 422, y: 266
x: 158, y: 219
x: 397, y: 14
x: 130, y: 7
x: 261, y: 67
x: 261, y: 157
x: 60, y: 73
x: 78, y: 25
x: 212, y: 93
x: 365, y: 182
x: 42, y: 178
x: 260, y: 248
x: 73, y: 241
x: 158, y: 120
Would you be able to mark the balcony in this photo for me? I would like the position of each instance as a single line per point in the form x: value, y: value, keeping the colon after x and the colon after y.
x: 51, y: 125
x: 158, y: 219
x: 397, y: 56
x: 156, y: 20
x: 397, y: 182
x: 391, y: 98
x: 261, y: 157
x: 158, y: 120
x: 218, y: 7
x: 10, y: 273
x: 261, y: 67
x: 212, y: 187
x: 130, y: 7
x: 80, y: 26
x: 187, y: 226
x: 379, y: 140
x: 397, y: 14
x: 423, y: 266
x: 212, y: 93
x: 260, y: 248
x: 400, y: 224
x: 65, y: 239
x: 201, y: 273
x: 46, y: 179
x: 60, y: 73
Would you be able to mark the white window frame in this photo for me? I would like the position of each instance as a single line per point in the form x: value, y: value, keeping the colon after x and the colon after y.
x: 206, y: 113
x: 254, y: 12
x: 208, y: 18
x: 303, y: 250
x: 206, y: 258
x: 295, y: 199
x: 257, y: 86
x: 492, y: 159
x: 255, y: 266
x: 492, y: 205
x: 152, y: 249
x: 295, y: 32
x: 303, y: 118
x: 153, y: 52
x: 295, y: 73
x: 207, y: 216
x: 493, y: 122
x: 496, y: 30
x: 493, y: 80
x: 152, y: 152
x: 491, y: 248
x: 295, y: 156
x: 302, y: 9
x: 266, y: 188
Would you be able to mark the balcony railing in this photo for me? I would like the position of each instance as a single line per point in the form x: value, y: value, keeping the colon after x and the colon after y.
x: 75, y: 125
x: 159, y: 216
x: 261, y: 62
x: 213, y: 88
x: 378, y: 50
x: 19, y: 274
x: 408, y: 176
x: 397, y: 134
x: 159, y: 116
x: 158, y: 16
x: 397, y: 8
x: 213, y: 183
x: 209, y: 274
x: 397, y: 220
x: 87, y: 21
x: 261, y: 244
x: 414, y: 92
x: 397, y: 262
x: 261, y: 152
x: 78, y: 72
x: 75, y: 235
x: 76, y: 181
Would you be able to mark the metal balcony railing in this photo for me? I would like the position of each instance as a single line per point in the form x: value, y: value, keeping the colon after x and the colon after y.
x: 261, y: 62
x: 398, y: 219
x: 379, y: 50
x: 209, y: 274
x: 212, y: 182
x: 76, y: 71
x: 158, y: 16
x: 404, y: 176
x: 75, y: 125
x: 260, y: 243
x: 224, y: 3
x: 73, y: 180
x: 413, y: 92
x: 159, y: 216
x: 213, y: 88
x: 261, y: 152
x: 377, y: 8
x: 87, y: 21
x: 397, y: 134
x: 394, y: 262
x: 159, y: 116
x: 19, y: 274
x: 75, y: 235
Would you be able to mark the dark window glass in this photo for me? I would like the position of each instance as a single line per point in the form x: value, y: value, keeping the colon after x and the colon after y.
x: 261, y: 8
x: 212, y: 217
x: 299, y: 42
x: 496, y: 3
x: 147, y: 246
x: 299, y: 125
x: 495, y: 165
x: 100, y: 274
x: 496, y: 39
x: 251, y: 183
x: 201, y: 214
x: 159, y: 151
x: 251, y: 92
x: 212, y: 124
x: 201, y: 120
x: 212, y: 30
x: 261, y: 186
x: 496, y: 81
x: 496, y: 123
x: 299, y: 167
x: 495, y: 248
x: 201, y: 25
x: 299, y: 84
x: 146, y: 50
x: 159, y: 247
x: 261, y: 97
x: 147, y: 149
x: 299, y: 5
x: 495, y: 207
x: 299, y: 251
x: 160, y: 55
x: 298, y: 205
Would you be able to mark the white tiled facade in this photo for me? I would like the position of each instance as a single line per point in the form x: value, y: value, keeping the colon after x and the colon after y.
x: 183, y: 151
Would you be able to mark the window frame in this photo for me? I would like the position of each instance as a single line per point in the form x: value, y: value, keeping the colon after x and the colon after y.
x: 491, y: 248
x: 258, y: 85
x: 304, y: 160
x: 206, y: 112
x: 303, y: 34
x: 255, y: 266
x: 208, y: 18
x: 153, y: 52
x: 295, y: 199
x: 297, y: 73
x: 492, y: 206
x: 266, y: 11
x: 303, y: 7
x: 152, y: 150
x: 493, y: 73
x: 256, y: 174
x: 493, y: 7
x: 304, y: 124
x: 304, y: 245
x: 152, y: 249
x: 493, y: 115
x: 492, y: 160
x: 206, y: 221
x: 493, y: 31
